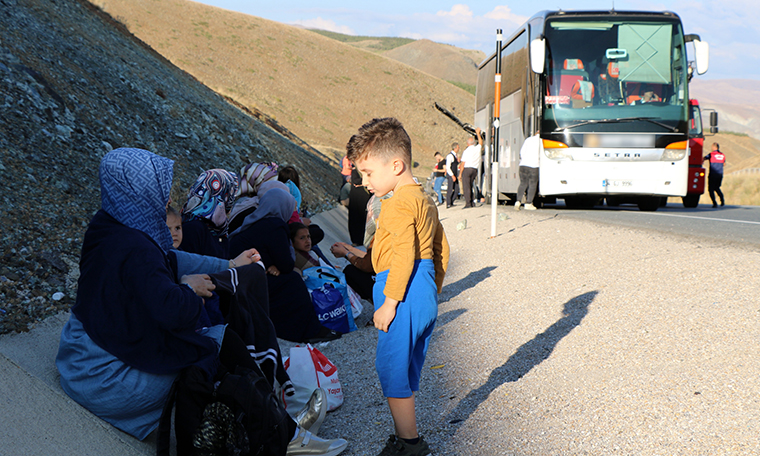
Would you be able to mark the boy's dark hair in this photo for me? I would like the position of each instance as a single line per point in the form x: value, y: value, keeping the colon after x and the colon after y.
x: 171, y: 211
x: 294, y: 228
x: 437, y: 154
x: 289, y: 173
x: 381, y: 138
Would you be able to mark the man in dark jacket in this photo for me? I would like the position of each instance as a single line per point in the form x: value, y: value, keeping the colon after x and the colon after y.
x: 715, y: 179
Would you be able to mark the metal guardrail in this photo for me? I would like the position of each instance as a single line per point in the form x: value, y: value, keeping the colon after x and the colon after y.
x: 746, y: 171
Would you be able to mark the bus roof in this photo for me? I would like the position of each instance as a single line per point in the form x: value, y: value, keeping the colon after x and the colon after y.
x: 543, y: 16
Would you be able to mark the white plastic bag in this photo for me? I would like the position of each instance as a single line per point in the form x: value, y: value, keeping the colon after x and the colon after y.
x: 310, y: 369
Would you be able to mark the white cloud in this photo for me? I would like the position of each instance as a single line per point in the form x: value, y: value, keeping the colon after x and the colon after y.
x: 503, y: 13
x: 458, y: 11
x: 325, y: 24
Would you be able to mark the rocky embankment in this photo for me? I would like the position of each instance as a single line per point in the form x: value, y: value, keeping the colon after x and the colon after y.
x: 75, y: 84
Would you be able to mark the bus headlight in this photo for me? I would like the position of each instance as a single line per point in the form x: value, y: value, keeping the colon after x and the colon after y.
x: 557, y: 154
x: 675, y: 151
x: 556, y: 150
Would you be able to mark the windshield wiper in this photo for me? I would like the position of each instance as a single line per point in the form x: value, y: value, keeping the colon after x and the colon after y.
x: 623, y: 119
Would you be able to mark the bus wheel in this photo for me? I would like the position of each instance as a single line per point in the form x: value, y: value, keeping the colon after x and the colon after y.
x: 649, y: 203
x: 691, y: 201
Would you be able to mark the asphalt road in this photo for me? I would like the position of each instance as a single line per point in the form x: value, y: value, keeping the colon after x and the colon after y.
x: 733, y: 224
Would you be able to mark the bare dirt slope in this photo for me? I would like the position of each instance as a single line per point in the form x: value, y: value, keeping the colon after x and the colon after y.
x: 741, y: 151
x: 320, y: 89
x: 736, y: 100
x: 441, y: 60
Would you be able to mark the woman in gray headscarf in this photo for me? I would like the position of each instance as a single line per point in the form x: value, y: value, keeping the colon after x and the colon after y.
x: 290, y: 306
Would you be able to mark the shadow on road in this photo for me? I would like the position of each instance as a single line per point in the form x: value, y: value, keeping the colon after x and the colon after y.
x: 528, y: 356
x: 448, y: 317
x: 453, y: 289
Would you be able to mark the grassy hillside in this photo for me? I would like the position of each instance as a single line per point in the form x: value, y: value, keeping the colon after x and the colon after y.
x: 320, y: 89
x: 450, y: 63
x: 370, y: 43
x: 458, y: 66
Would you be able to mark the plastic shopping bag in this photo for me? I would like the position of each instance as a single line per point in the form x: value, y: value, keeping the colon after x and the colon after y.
x: 330, y: 316
x: 310, y: 369
x: 331, y: 308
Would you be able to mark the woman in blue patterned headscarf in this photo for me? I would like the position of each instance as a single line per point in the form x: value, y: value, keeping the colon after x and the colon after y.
x: 205, y: 214
x: 133, y: 327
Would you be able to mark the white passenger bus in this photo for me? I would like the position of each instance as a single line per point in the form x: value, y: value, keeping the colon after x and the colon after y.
x: 581, y: 78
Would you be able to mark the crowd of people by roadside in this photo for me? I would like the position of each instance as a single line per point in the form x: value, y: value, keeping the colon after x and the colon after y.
x: 213, y: 282
x: 212, y: 285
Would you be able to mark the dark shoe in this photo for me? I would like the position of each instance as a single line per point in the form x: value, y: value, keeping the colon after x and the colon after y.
x: 448, y: 206
x: 714, y: 205
x: 722, y: 203
x: 398, y: 447
x: 325, y: 335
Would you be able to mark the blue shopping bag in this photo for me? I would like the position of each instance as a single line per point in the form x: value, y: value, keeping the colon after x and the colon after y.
x: 329, y: 294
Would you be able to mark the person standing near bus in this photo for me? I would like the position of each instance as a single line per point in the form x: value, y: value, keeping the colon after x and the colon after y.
x: 440, y: 174
x: 529, y: 156
x: 470, y: 163
x: 715, y: 179
x: 452, y: 170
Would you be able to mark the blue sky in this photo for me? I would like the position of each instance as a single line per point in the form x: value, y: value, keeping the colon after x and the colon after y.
x: 728, y: 26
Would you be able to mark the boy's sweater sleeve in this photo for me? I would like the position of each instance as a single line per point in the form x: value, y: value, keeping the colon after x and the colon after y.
x: 440, y: 256
x: 400, y: 226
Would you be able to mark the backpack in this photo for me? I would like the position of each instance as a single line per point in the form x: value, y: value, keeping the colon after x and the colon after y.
x: 238, y: 415
x: 454, y: 164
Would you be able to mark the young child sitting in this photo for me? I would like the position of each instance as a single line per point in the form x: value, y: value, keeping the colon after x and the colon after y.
x: 410, y: 254
x: 174, y: 222
x: 301, y: 239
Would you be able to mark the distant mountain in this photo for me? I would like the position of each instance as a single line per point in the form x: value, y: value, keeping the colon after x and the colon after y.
x: 736, y: 100
x: 458, y: 66
x: 450, y: 63
x: 320, y: 89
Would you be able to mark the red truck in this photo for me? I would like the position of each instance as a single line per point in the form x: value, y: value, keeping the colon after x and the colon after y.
x: 696, y: 144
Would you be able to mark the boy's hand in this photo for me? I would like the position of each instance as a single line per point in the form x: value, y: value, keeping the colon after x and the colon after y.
x: 385, y: 314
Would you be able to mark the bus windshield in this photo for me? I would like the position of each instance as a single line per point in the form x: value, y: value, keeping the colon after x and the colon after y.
x: 615, y: 74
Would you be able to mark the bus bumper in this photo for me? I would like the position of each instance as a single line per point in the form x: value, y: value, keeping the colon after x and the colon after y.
x: 568, y: 177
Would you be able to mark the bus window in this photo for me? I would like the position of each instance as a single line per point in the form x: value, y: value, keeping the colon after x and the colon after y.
x: 614, y: 68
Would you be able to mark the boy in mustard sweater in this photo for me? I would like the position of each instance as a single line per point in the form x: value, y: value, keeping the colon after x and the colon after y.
x: 410, y: 254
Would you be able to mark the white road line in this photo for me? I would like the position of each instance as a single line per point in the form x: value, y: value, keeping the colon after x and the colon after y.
x: 708, y: 218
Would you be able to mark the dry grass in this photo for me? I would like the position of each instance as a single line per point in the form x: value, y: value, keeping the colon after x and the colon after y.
x: 739, y: 189
x: 318, y: 88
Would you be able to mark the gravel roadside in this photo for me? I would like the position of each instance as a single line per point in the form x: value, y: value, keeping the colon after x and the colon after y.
x: 567, y: 337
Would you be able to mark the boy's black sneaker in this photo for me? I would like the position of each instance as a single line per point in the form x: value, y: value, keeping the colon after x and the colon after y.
x: 398, y: 447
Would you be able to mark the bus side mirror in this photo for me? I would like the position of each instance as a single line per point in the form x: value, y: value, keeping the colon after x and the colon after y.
x: 537, y: 55
x: 713, y: 122
x: 701, y: 55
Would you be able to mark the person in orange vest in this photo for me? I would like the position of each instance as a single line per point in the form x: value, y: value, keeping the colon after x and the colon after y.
x: 715, y: 179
